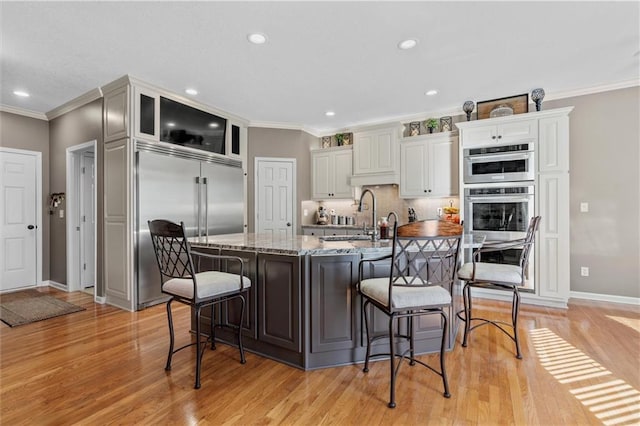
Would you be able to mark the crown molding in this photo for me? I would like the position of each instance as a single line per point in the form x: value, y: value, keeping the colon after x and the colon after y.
x: 593, y: 90
x: 23, y: 112
x: 81, y: 100
x: 285, y: 126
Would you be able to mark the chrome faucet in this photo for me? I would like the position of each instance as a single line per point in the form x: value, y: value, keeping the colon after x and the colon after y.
x: 374, y: 233
x: 395, y: 217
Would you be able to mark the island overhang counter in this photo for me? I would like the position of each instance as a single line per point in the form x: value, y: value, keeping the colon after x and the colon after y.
x: 303, y: 308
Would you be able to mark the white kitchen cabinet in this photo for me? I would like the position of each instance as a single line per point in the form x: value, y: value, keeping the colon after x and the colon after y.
x: 552, y: 241
x: 482, y: 133
x: 330, y: 173
x: 549, y: 132
x: 374, y: 151
x: 429, y: 166
x: 116, y: 113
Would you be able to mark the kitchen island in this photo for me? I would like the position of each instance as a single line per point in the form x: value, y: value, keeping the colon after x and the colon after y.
x: 303, y: 308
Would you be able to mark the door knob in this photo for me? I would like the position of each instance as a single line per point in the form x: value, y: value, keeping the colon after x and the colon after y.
x: 288, y: 223
x: 30, y: 227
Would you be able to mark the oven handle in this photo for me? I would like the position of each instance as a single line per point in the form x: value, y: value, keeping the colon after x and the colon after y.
x: 518, y: 199
x: 497, y: 157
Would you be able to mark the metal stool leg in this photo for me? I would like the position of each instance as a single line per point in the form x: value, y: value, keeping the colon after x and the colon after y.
x: 171, y: 335
x: 199, y: 352
x: 212, y: 329
x: 392, y: 357
x: 466, y: 297
x: 242, y: 359
x: 366, y: 326
x: 443, y: 371
x: 515, y: 308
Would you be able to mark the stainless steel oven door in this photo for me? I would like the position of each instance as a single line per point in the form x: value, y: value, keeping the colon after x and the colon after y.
x: 499, y: 216
x: 508, y: 167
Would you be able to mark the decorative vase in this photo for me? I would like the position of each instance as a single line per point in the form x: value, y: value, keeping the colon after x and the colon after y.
x: 326, y: 141
x: 468, y: 108
x: 430, y: 129
x: 537, y: 95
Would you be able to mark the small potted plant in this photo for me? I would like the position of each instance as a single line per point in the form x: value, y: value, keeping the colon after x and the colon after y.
x: 339, y: 138
x: 431, y: 124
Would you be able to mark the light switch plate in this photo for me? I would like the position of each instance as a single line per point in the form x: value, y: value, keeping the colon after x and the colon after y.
x: 584, y: 271
x: 584, y: 207
x: 61, y: 214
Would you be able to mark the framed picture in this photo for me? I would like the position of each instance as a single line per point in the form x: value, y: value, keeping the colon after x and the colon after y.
x: 519, y: 104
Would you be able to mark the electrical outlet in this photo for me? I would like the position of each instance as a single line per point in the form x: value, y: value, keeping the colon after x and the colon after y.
x: 61, y: 214
x: 439, y: 211
x: 584, y: 271
x: 584, y: 207
x: 305, y: 212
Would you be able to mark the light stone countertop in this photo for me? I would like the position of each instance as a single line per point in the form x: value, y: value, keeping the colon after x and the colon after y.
x: 300, y: 245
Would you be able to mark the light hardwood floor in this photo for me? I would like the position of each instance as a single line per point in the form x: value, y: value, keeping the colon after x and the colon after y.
x: 106, y: 366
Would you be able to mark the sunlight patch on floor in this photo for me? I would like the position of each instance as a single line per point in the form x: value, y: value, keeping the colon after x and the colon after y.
x: 633, y: 323
x: 613, y: 401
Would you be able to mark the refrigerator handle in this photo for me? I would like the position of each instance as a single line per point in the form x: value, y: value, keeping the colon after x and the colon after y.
x: 198, y: 215
x: 206, y: 208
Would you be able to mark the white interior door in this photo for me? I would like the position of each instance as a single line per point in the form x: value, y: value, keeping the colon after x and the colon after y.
x: 18, y: 221
x: 275, y: 189
x: 87, y: 220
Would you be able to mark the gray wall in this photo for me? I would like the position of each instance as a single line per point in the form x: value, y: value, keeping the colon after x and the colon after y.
x: 19, y: 132
x: 604, y: 162
x: 278, y: 143
x: 73, y: 128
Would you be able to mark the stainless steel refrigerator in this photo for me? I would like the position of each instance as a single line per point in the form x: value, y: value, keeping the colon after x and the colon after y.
x: 204, y: 192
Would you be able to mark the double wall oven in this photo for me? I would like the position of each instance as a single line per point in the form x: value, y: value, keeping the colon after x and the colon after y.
x: 499, y: 198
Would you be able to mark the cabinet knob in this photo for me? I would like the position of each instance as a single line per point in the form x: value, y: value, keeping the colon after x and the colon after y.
x: 425, y: 190
x: 499, y: 136
x: 493, y: 137
x: 429, y: 190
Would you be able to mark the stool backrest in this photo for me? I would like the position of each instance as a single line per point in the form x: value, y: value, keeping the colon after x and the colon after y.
x: 528, y: 242
x: 423, y: 255
x: 171, y: 249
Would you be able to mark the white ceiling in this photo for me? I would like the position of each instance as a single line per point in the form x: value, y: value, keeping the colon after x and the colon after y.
x: 320, y: 56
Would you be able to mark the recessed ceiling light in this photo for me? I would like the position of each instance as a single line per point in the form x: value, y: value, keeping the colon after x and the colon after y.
x: 329, y: 113
x: 431, y: 92
x: 191, y: 91
x: 213, y: 125
x: 171, y: 124
x: 21, y: 93
x: 407, y: 44
x: 257, y: 38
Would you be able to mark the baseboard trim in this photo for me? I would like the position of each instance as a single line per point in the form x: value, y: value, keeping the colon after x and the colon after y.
x: 100, y: 299
x: 605, y: 298
x: 57, y: 285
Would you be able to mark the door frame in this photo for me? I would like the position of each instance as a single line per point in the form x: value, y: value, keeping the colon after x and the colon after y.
x: 73, y: 200
x: 39, y: 201
x: 256, y: 185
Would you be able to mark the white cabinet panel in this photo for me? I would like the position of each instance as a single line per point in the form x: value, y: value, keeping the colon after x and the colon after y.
x: 116, y: 114
x: 330, y: 173
x: 375, y: 152
x: 553, y: 146
x: 428, y: 167
x: 513, y: 131
x: 553, y: 239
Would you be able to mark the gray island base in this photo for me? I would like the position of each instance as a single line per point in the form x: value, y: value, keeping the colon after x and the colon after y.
x: 303, y: 308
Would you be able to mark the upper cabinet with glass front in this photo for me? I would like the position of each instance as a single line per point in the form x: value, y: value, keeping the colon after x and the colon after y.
x: 160, y: 116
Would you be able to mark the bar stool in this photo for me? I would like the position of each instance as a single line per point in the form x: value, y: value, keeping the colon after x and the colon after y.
x: 497, y: 276
x: 423, y: 266
x: 198, y: 290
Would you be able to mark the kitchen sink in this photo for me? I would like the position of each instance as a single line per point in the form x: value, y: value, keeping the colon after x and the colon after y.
x: 346, y: 237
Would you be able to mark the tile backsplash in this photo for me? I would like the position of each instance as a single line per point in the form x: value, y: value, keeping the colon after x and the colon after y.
x: 387, y: 200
